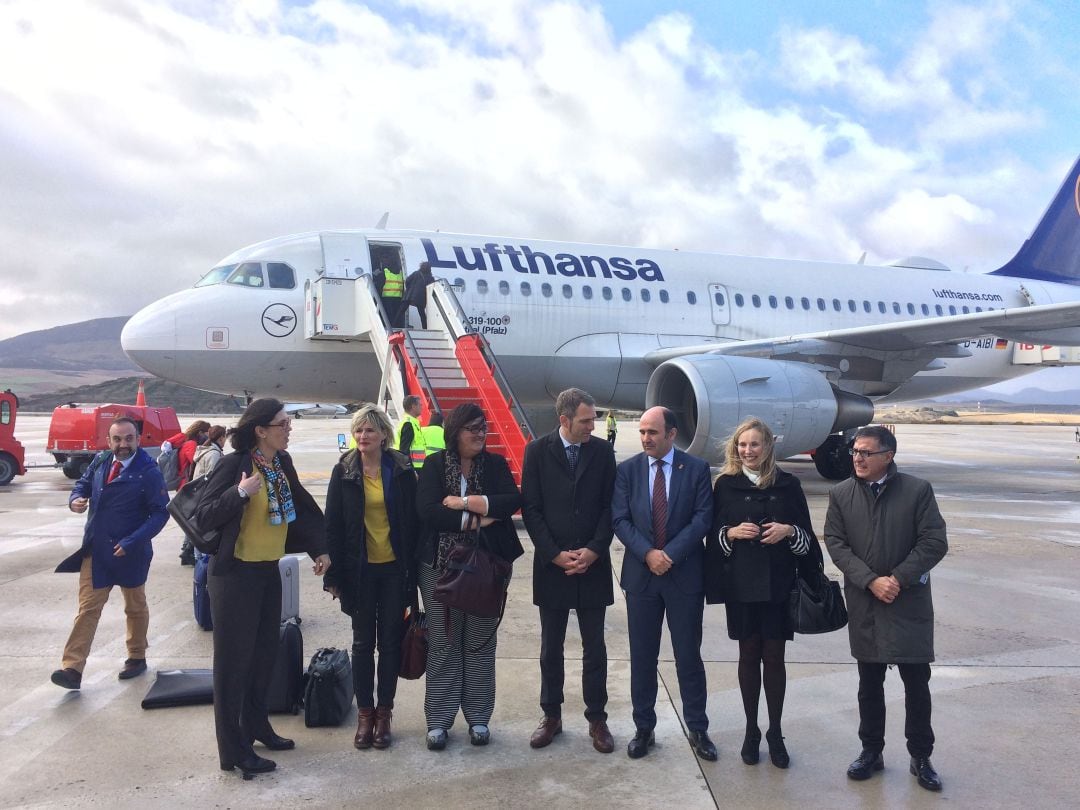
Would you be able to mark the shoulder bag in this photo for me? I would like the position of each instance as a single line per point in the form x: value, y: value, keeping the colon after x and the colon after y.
x: 182, y: 507
x: 414, y: 645
x: 474, y: 580
x: 817, y: 606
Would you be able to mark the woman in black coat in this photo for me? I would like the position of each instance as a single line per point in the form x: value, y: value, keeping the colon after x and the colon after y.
x: 255, y: 498
x: 371, y: 527
x: 462, y: 488
x: 761, y: 536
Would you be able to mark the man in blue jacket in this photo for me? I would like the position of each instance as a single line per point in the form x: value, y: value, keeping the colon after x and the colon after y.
x: 126, y: 497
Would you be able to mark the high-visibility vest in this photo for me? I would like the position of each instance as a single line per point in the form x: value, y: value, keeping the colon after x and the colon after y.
x: 611, y: 425
x: 418, y: 450
x: 394, y: 287
x: 434, y: 438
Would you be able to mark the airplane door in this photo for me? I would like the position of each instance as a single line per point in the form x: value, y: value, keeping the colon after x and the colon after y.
x: 718, y: 301
x: 345, y: 255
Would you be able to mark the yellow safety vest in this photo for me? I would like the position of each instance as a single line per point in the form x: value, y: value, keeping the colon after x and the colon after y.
x: 418, y: 450
x: 612, y: 426
x: 434, y: 438
x: 394, y: 287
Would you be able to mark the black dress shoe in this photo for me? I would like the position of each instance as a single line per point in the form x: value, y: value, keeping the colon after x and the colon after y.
x: 276, y: 742
x: 639, y: 746
x: 922, y: 770
x: 865, y: 764
x: 750, y: 743
x: 777, y: 750
x: 68, y: 678
x: 252, y: 765
x: 132, y: 668
x: 702, y: 745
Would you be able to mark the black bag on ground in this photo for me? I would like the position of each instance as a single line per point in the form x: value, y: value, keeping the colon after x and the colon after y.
x: 286, y: 686
x: 328, y: 688
x: 182, y: 508
x: 817, y: 606
x: 180, y: 687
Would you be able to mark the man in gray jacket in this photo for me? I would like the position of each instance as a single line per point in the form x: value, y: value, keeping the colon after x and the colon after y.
x: 884, y: 532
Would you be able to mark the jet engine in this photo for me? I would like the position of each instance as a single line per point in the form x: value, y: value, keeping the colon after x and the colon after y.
x: 710, y: 394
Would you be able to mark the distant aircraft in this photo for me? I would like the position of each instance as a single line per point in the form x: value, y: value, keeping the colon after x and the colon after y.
x: 806, y: 346
x: 301, y: 409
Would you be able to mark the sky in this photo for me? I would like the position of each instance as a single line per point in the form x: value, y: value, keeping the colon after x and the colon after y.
x: 143, y: 140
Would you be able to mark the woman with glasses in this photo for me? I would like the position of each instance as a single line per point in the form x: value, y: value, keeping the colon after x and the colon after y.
x: 465, y: 495
x: 761, y: 537
x: 255, y: 498
x: 371, y: 529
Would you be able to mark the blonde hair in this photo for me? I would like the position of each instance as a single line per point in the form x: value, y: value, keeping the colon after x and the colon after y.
x: 733, y: 464
x: 374, y: 416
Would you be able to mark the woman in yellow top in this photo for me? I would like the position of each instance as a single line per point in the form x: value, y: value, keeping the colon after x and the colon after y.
x: 255, y: 498
x: 371, y: 526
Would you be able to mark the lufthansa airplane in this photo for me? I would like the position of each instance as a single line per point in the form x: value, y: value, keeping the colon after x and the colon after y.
x: 807, y: 346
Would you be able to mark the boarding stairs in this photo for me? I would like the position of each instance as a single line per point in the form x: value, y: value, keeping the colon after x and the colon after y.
x: 446, y: 364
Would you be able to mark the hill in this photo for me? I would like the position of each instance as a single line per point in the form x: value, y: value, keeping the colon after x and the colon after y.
x: 158, y: 392
x: 75, y: 347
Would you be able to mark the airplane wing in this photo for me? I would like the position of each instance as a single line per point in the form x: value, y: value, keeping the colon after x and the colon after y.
x: 929, y: 338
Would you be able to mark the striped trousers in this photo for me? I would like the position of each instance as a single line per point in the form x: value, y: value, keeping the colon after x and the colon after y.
x: 460, y: 663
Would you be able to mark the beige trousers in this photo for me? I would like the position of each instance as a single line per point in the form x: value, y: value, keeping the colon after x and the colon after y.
x: 91, y: 601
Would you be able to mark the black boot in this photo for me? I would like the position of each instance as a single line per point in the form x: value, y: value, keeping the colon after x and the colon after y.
x: 750, y: 745
x: 777, y: 750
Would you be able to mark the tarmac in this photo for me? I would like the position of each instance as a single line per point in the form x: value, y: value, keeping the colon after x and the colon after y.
x: 1005, y: 686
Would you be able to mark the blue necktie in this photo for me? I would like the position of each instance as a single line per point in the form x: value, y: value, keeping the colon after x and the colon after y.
x: 572, y: 451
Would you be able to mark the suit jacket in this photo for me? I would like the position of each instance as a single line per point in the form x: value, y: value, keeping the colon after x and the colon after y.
x: 563, y: 511
x: 689, y: 514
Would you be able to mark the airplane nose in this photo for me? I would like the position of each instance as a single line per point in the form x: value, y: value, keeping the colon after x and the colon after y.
x: 149, y: 338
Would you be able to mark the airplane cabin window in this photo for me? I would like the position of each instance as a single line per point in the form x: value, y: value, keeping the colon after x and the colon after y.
x: 249, y: 274
x: 586, y: 291
x: 978, y: 309
x: 756, y: 301
x: 664, y: 298
x: 881, y: 307
x: 645, y: 295
x: 851, y: 305
x: 216, y: 276
x: 459, y: 283
x: 606, y: 292
x: 504, y: 287
x: 482, y: 287
x: 896, y: 307
x: 952, y: 309
x: 910, y: 309
x: 805, y: 303
x: 626, y: 294
x: 280, y: 275
x: 965, y: 310
x: 526, y: 289
x: 836, y: 304
x: 773, y: 302
x: 691, y: 297
x: 739, y: 300
x: 789, y: 302
x: 567, y: 291
x: 938, y: 310
x: 545, y: 290
x: 720, y: 299
x: 925, y: 309
x: 821, y: 304
x: 866, y: 306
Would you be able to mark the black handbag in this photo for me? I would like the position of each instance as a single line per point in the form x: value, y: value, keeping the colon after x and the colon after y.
x: 182, y: 508
x: 414, y: 645
x: 474, y: 581
x: 817, y: 606
x: 328, y: 690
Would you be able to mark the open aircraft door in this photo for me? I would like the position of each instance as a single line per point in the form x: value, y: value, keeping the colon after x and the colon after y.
x: 718, y: 302
x: 345, y: 255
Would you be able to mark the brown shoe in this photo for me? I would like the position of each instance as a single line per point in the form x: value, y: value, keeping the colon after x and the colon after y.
x: 382, y: 727
x: 602, y: 740
x: 365, y: 719
x: 545, y: 733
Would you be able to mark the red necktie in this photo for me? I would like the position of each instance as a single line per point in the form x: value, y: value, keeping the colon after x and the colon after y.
x: 115, y: 471
x: 659, y: 507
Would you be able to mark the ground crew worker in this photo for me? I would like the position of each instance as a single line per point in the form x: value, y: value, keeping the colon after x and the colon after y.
x: 392, y: 292
x: 433, y: 434
x: 612, y: 426
x: 410, y: 438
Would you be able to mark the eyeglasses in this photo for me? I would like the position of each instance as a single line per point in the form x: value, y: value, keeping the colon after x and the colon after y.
x: 479, y: 429
x: 865, y: 453
x: 284, y: 423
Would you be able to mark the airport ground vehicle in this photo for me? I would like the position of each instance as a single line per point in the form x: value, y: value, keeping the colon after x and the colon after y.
x: 77, y: 433
x: 12, y: 455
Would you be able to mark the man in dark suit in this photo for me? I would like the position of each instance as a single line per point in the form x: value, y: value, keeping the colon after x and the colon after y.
x: 566, y: 488
x: 661, y: 511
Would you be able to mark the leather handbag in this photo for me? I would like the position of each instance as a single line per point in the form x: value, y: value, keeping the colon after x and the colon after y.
x: 182, y: 507
x: 474, y: 581
x: 414, y: 645
x: 817, y: 606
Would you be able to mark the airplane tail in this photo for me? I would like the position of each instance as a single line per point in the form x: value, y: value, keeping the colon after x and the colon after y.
x: 1052, y: 252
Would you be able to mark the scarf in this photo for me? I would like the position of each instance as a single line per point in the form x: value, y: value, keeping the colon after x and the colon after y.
x: 751, y: 474
x: 452, y: 486
x: 282, y: 509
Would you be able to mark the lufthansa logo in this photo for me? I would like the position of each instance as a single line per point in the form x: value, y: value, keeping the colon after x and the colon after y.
x: 279, y: 320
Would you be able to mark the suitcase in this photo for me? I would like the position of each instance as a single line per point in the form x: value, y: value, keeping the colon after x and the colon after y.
x: 286, y: 686
x: 289, y: 567
x: 328, y: 688
x: 200, y: 596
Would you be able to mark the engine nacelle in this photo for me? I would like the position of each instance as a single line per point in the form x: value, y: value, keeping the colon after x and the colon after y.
x: 711, y: 394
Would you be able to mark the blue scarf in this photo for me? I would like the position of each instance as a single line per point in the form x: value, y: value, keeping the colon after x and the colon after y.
x: 278, y: 494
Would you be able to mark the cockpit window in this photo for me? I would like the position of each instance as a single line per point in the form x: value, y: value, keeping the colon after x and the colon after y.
x: 249, y: 274
x: 216, y: 276
x: 281, y: 275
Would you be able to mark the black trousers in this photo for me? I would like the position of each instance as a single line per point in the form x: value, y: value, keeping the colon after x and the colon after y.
x: 378, y: 622
x: 916, y: 677
x: 246, y: 606
x: 593, y: 660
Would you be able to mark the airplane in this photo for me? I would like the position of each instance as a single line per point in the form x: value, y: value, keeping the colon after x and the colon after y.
x: 302, y: 409
x: 807, y: 346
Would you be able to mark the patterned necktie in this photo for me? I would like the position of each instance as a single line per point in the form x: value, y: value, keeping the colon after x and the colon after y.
x: 875, y: 488
x: 115, y: 471
x: 659, y: 507
x: 572, y: 451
